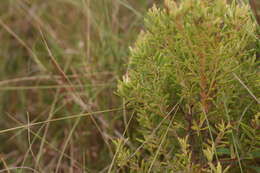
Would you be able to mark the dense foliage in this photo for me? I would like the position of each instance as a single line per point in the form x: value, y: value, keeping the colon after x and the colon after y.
x: 192, y: 85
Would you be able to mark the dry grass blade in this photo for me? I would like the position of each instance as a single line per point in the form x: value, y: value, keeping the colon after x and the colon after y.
x: 244, y: 85
x: 34, y: 56
x: 5, y: 164
x: 58, y: 119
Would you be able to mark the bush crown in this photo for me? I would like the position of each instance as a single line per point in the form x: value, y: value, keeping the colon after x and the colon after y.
x: 192, y: 82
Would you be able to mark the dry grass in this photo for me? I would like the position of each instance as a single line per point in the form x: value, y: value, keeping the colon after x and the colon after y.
x: 59, y: 65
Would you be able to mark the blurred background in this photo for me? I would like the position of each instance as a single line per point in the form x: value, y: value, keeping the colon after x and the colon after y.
x: 58, y: 59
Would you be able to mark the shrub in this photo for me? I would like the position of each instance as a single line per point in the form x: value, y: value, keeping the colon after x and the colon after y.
x: 192, y: 82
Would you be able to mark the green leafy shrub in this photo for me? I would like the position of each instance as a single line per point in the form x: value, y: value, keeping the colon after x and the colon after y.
x: 192, y: 83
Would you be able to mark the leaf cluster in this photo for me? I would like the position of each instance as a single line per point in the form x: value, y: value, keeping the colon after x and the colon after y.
x: 193, y: 80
